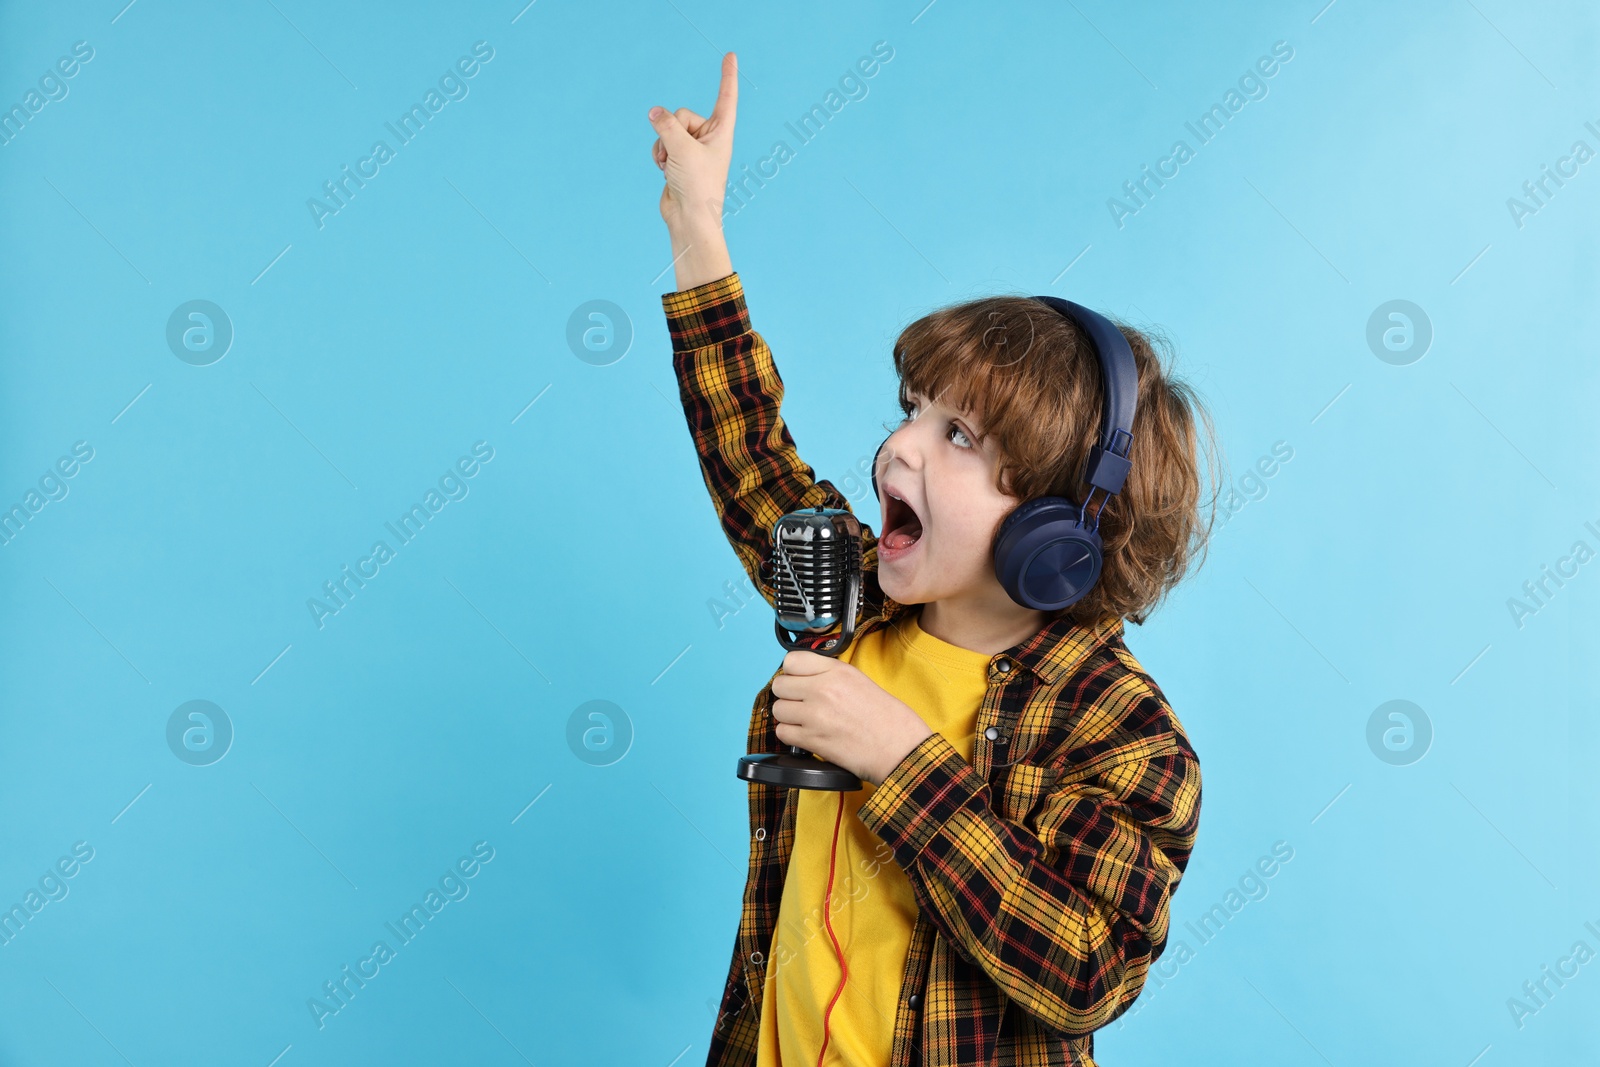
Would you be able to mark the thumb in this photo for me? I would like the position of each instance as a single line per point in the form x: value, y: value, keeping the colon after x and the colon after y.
x: 670, y: 130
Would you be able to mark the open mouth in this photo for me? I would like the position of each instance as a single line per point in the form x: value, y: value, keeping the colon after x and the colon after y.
x: 902, y: 527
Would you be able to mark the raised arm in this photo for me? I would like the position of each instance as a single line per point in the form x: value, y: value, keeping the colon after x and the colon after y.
x: 731, y: 397
x: 729, y: 385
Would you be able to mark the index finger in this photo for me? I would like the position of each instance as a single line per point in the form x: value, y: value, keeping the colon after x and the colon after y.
x: 800, y: 662
x: 728, y: 92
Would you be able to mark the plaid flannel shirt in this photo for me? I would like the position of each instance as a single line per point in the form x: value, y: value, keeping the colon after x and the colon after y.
x: 1044, y: 869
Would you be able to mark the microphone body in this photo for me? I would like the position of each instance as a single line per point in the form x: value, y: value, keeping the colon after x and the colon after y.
x: 815, y: 570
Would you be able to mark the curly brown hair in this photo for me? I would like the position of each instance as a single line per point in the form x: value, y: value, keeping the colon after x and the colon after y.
x: 1031, y: 378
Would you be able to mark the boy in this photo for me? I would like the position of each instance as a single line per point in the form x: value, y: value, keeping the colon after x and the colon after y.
x: 1002, y: 883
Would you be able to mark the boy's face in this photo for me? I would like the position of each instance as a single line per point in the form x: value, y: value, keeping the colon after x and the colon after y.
x: 934, y: 461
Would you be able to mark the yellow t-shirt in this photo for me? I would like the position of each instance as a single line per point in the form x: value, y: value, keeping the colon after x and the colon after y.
x: 872, y: 908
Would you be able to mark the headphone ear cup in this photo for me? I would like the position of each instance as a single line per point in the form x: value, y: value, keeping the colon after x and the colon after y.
x: 1043, y: 556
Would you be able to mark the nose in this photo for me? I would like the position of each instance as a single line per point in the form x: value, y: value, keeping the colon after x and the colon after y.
x: 899, y: 445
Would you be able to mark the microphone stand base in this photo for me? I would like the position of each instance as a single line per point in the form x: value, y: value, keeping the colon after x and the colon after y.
x: 796, y: 772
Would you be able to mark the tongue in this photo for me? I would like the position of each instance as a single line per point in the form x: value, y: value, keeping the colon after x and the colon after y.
x: 904, y: 536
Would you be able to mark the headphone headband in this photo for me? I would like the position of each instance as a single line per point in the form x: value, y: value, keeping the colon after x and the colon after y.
x: 1108, y: 463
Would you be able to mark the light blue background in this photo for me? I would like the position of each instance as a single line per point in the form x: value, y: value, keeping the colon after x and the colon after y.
x: 426, y: 315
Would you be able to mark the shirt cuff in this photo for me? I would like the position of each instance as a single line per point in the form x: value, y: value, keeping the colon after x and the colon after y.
x: 706, y: 314
x: 919, y: 796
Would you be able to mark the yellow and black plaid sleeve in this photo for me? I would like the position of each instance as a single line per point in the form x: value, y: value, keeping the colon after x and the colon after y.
x: 731, y: 396
x: 1065, y: 920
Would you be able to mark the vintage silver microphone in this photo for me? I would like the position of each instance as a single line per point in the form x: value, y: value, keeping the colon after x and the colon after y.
x: 815, y: 569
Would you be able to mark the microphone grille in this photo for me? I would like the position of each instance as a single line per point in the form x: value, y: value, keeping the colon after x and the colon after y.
x: 816, y: 556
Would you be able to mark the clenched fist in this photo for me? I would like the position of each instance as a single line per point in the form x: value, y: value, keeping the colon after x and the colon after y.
x: 835, y: 711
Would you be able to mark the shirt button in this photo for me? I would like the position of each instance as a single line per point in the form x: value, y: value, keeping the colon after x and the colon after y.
x: 915, y: 1001
x: 1003, y: 666
x: 761, y: 833
x: 992, y: 733
x: 756, y: 958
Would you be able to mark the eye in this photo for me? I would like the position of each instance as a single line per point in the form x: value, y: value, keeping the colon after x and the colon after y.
x: 910, y: 407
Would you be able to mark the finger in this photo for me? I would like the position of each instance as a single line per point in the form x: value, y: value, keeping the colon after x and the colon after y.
x: 727, y: 93
x: 689, y: 120
x: 788, y: 711
x: 794, y: 688
x: 800, y: 662
x: 671, y: 131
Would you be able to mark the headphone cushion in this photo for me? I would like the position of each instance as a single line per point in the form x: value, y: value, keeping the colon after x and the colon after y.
x: 1044, y: 557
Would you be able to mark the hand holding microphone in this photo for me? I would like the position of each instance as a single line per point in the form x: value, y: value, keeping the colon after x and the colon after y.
x: 836, y: 711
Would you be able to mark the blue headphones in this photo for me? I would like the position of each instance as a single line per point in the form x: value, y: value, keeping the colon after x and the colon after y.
x: 1047, y: 552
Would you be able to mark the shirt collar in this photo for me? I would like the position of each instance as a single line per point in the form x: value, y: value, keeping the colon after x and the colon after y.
x: 1061, y: 646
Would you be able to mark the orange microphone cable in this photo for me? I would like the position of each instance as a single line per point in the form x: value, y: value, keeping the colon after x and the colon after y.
x: 844, y: 972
